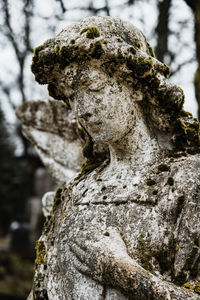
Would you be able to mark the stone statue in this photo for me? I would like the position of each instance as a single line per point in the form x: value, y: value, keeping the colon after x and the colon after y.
x: 128, y: 226
x: 52, y: 128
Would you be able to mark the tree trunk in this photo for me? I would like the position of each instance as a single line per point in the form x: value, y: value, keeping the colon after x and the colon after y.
x: 195, y: 5
x: 162, y: 29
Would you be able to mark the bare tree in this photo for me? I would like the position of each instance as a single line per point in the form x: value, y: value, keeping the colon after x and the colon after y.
x: 162, y: 29
x: 195, y: 6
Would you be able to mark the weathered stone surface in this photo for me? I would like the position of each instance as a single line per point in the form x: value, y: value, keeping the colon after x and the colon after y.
x: 52, y: 129
x: 47, y: 203
x: 129, y: 228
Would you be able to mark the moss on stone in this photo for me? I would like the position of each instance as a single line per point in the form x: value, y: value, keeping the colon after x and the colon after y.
x: 164, y: 256
x: 51, y: 56
x: 140, y: 65
x: 191, y: 265
x: 163, y: 168
x: 57, y: 49
x: 150, y: 49
x: 88, y: 143
x: 144, y: 254
x: 40, y: 294
x: 89, y: 165
x: 197, y: 287
x: 40, y: 253
x: 132, y: 50
x: 91, y: 32
x: 96, y: 49
x: 170, y: 181
x: 193, y: 287
x: 57, y: 199
x: 187, y: 131
x: 93, y: 160
x: 35, y: 59
x: 166, y: 70
x: 188, y: 286
x: 180, y: 205
x: 150, y: 182
x: 190, y: 259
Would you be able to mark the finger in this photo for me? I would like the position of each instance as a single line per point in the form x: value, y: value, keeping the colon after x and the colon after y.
x: 77, y: 251
x: 82, y: 268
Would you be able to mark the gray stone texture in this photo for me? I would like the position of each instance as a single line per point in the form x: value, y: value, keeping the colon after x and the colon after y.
x: 128, y: 228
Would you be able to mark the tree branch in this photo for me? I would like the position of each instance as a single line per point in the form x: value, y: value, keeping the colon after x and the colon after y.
x: 6, y: 90
x: 179, y: 67
x: 27, y: 13
x: 10, y: 33
x: 62, y: 6
x: 107, y: 9
x: 162, y: 29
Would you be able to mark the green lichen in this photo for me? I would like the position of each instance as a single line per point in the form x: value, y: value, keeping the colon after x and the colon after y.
x: 132, y: 50
x: 41, y: 254
x: 163, y: 168
x: 89, y: 165
x: 91, y: 32
x: 150, y: 49
x: 93, y: 160
x: 164, y: 256
x: 155, y: 192
x: 150, y: 182
x: 35, y: 60
x: 188, y: 286
x: 65, y: 56
x: 57, y: 199
x: 88, y: 143
x: 197, y: 287
x: 187, y: 131
x: 170, y: 181
x: 57, y: 49
x: 137, y: 44
x: 171, y: 99
x: 144, y: 254
x: 191, y: 265
x: 180, y: 205
x: 193, y: 287
x: 166, y: 70
x: 140, y: 65
x: 40, y: 294
x: 96, y: 49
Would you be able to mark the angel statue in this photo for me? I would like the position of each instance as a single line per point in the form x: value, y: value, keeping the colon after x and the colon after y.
x: 128, y: 225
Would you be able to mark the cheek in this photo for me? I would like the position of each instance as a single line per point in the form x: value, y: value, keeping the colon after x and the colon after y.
x: 125, y: 111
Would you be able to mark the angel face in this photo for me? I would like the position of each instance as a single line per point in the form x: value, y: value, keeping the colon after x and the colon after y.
x: 103, y: 105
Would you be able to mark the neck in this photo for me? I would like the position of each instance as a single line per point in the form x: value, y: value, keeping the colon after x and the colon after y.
x: 135, y: 150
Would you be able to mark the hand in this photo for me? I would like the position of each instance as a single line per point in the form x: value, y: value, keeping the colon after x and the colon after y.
x: 95, y: 254
x: 104, y: 258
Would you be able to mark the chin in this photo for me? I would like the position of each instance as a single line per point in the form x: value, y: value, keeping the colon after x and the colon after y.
x: 102, y: 138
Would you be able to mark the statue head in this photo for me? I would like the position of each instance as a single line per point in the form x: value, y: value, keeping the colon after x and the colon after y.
x: 101, y: 53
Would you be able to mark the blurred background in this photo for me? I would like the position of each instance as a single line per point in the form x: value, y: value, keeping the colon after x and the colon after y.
x: 173, y: 29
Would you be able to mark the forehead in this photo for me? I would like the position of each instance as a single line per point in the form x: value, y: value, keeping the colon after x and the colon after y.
x: 88, y: 74
x: 94, y: 72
